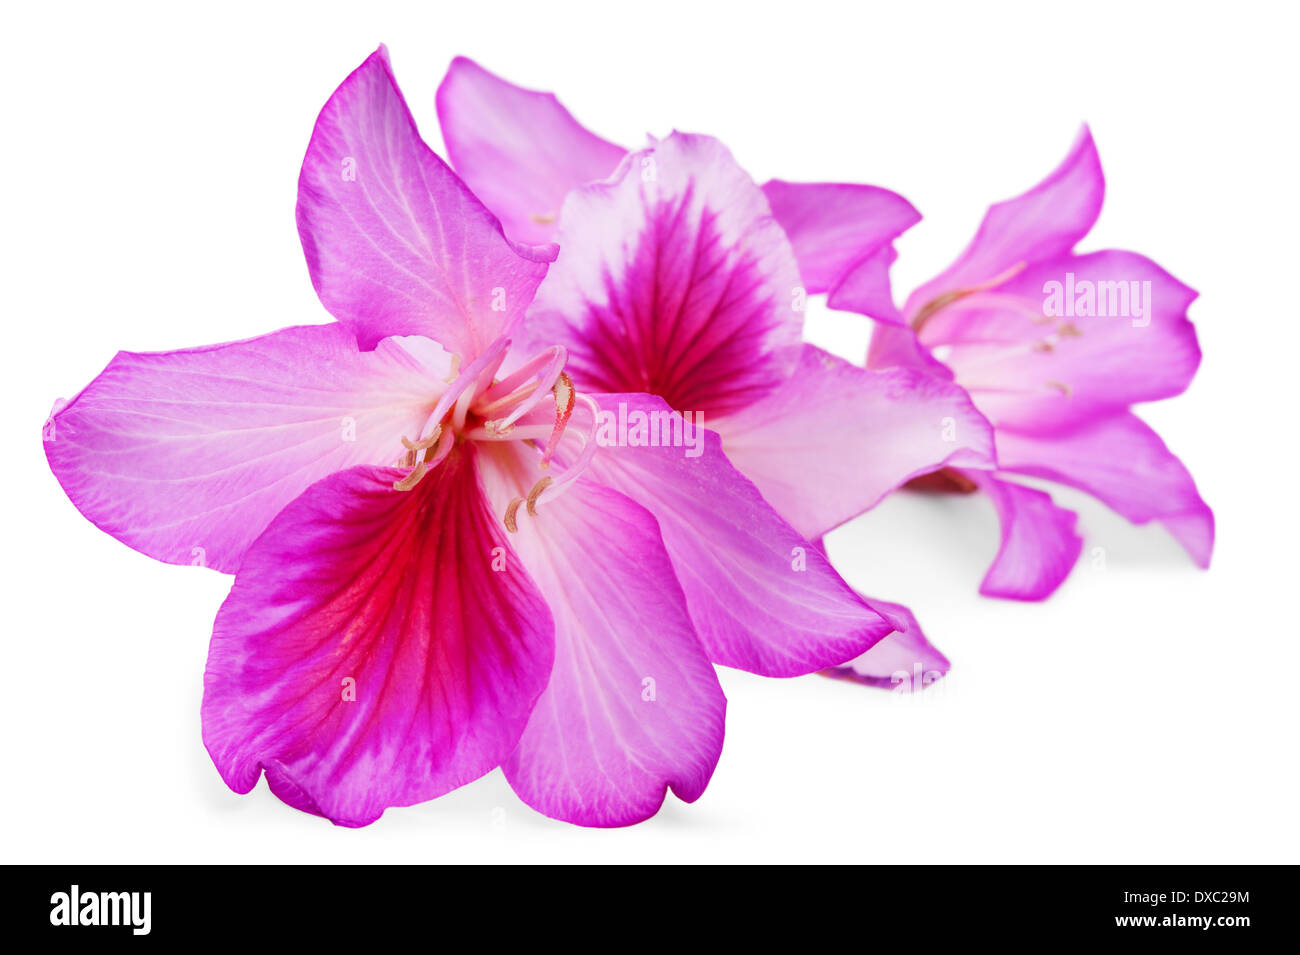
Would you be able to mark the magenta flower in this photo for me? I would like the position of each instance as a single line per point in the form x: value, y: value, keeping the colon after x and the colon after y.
x: 678, y: 277
x: 1054, y: 346
x: 439, y: 568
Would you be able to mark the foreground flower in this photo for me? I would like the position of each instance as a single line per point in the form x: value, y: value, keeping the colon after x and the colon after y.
x: 386, y: 638
x: 679, y: 277
x: 1054, y: 347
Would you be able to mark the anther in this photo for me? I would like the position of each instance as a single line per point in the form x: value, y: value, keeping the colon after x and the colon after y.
x: 536, y: 492
x: 412, y: 479
x: 511, y: 510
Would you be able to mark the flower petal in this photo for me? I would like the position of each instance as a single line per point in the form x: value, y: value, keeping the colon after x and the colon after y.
x: 1123, y: 463
x: 896, y: 346
x: 1042, y: 223
x: 187, y: 455
x: 835, y: 438
x: 834, y: 226
x: 1032, y: 368
x: 1039, y: 545
x: 519, y: 150
x: 395, y: 242
x: 904, y: 661
x: 762, y: 596
x: 633, y: 706
x: 411, y: 604
x: 675, y: 280
x: 866, y: 289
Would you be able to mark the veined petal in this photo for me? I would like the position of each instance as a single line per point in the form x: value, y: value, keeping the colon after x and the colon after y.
x: 519, y: 150
x: 696, y: 295
x: 762, y: 596
x: 633, y: 706
x: 1042, y: 223
x: 395, y: 242
x: 1124, y: 337
x: 835, y: 438
x: 1123, y: 463
x: 188, y: 455
x: 1039, y: 546
x: 379, y: 648
x: 866, y: 289
x: 834, y: 226
x: 904, y: 661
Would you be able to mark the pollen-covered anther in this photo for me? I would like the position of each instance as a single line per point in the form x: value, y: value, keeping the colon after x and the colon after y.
x: 565, y: 398
x: 412, y: 479
x: 512, y: 509
x: 537, y: 489
x: 423, y: 443
x: 411, y: 458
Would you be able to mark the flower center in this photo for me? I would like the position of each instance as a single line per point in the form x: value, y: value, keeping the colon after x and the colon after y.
x: 533, y: 404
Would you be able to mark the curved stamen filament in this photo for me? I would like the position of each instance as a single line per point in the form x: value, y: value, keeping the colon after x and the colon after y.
x: 440, y: 441
x: 927, y: 310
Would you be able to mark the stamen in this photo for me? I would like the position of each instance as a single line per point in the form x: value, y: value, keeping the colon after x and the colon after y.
x: 423, y: 443
x: 564, y: 399
x: 947, y: 298
x: 511, y: 510
x: 442, y: 438
x: 412, y: 479
x: 536, y: 491
x: 544, y: 386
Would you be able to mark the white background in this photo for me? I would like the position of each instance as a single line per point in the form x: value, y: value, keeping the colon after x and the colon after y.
x: 1146, y: 713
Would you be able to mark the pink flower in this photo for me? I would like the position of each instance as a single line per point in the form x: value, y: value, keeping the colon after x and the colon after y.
x: 439, y: 568
x: 679, y: 277
x: 1054, y: 346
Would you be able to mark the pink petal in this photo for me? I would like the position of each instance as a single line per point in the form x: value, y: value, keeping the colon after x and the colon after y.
x: 633, y: 707
x: 835, y: 438
x: 896, y: 346
x: 519, y: 150
x: 396, y: 244
x: 904, y: 661
x: 1031, y: 371
x: 866, y: 289
x: 1039, y: 545
x: 1042, y: 223
x: 834, y: 226
x: 762, y: 596
x: 187, y: 455
x: 675, y: 280
x: 393, y: 597
x: 1124, y: 464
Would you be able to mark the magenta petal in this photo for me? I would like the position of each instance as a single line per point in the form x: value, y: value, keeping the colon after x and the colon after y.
x: 1123, y: 463
x: 1039, y: 546
x: 834, y: 226
x: 763, y: 597
x: 1032, y: 369
x: 904, y: 661
x: 370, y: 653
x: 675, y: 280
x: 1042, y: 223
x: 395, y: 242
x: 866, y: 289
x: 519, y: 150
x: 633, y: 706
x: 896, y: 346
x: 187, y: 455
x: 835, y: 438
